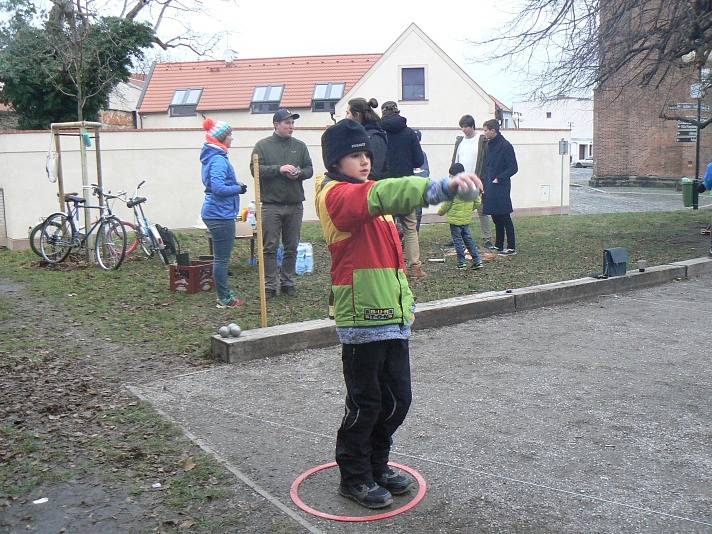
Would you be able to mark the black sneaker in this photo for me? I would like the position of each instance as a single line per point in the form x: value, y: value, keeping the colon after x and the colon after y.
x: 370, y: 495
x: 508, y: 252
x: 290, y: 291
x: 489, y: 245
x: 397, y: 482
x: 476, y: 266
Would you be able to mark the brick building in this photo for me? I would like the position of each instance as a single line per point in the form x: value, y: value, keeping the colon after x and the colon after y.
x: 633, y: 145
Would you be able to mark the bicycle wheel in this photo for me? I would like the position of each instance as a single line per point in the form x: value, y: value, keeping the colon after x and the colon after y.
x: 35, y: 239
x: 110, y: 247
x: 146, y: 242
x: 132, y: 243
x: 55, y: 238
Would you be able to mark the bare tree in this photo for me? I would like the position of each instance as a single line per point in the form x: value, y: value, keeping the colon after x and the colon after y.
x: 574, y: 46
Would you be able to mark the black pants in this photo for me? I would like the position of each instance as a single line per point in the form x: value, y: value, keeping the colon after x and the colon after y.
x: 503, y: 223
x: 378, y: 396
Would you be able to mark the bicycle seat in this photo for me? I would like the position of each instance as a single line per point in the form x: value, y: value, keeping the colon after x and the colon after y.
x: 135, y: 201
x: 74, y: 198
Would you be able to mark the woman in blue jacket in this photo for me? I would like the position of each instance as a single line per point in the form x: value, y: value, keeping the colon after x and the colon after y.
x: 500, y: 165
x: 221, y: 205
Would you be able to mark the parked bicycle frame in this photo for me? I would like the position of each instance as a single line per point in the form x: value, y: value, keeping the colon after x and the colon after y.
x: 60, y: 234
x: 147, y: 234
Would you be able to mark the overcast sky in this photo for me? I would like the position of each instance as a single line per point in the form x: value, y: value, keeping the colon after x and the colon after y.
x: 272, y: 28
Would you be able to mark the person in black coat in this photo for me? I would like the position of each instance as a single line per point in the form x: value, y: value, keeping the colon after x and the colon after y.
x: 361, y: 111
x: 404, y: 152
x: 404, y: 155
x: 499, y: 167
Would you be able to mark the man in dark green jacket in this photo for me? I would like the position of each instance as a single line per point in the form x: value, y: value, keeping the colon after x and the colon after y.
x: 284, y: 165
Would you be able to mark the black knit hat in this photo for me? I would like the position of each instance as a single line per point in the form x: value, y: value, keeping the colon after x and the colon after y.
x: 343, y: 138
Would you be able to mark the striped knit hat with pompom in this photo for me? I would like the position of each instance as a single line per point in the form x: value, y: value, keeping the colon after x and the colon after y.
x: 217, y: 130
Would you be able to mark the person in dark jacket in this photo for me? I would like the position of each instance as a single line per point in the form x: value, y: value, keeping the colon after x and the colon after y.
x: 362, y: 112
x: 284, y: 165
x: 221, y: 205
x: 499, y: 167
x: 424, y: 171
x: 404, y: 155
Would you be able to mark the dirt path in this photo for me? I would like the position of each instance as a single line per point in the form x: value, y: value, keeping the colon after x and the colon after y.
x: 71, y: 433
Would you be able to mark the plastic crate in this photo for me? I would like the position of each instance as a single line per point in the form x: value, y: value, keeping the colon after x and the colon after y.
x: 192, y: 278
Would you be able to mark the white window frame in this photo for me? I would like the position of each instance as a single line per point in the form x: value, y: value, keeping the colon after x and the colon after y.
x: 264, y: 105
x: 183, y: 108
x: 425, y: 82
x: 326, y: 100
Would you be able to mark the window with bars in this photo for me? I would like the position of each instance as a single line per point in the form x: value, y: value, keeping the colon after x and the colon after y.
x: 413, y: 83
x: 185, y: 102
x: 326, y: 95
x: 266, y: 98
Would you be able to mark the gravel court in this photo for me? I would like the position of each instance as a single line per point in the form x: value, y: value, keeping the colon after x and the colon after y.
x: 593, y: 416
x: 585, y: 199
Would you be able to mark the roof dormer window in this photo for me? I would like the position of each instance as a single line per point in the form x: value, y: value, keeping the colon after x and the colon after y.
x: 266, y: 98
x: 185, y: 102
x: 326, y: 95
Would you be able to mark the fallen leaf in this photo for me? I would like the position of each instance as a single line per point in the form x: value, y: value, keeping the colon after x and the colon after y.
x: 188, y: 463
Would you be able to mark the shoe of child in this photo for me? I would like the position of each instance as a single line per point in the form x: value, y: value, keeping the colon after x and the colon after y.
x: 369, y: 495
x: 462, y: 265
x: 476, y: 266
x: 508, y: 252
x: 489, y: 245
x: 394, y: 481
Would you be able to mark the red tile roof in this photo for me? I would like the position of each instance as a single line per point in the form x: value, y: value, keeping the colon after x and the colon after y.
x: 230, y: 85
x: 500, y: 105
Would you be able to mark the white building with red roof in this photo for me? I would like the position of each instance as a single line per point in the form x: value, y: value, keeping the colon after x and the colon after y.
x: 430, y: 88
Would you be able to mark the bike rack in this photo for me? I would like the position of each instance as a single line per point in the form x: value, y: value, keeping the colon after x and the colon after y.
x: 77, y: 129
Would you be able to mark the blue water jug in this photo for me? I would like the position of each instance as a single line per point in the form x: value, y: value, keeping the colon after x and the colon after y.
x: 280, y: 254
x: 305, y: 259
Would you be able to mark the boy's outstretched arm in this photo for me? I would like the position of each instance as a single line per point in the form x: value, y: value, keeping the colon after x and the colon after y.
x: 402, y: 195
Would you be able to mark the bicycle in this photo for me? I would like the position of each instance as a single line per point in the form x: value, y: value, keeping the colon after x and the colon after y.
x: 147, y: 236
x: 34, y: 232
x: 60, y: 234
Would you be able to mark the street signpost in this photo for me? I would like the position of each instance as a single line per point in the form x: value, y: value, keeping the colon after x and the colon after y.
x: 563, y: 152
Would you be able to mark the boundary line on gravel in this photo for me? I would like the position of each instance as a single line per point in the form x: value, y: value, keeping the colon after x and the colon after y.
x: 232, y: 468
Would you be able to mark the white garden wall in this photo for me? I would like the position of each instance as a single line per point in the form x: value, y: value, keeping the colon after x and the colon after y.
x: 168, y: 160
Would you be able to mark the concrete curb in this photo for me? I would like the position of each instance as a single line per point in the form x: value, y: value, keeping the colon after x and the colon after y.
x: 274, y: 340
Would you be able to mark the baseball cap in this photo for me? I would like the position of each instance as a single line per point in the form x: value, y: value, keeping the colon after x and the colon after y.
x: 284, y: 114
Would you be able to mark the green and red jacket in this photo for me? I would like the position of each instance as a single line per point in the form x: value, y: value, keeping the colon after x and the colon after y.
x: 368, y: 281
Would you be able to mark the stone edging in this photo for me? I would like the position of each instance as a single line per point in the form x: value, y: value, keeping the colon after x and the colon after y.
x: 274, y: 340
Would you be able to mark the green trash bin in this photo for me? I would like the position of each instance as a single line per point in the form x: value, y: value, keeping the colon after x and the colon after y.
x: 687, y: 187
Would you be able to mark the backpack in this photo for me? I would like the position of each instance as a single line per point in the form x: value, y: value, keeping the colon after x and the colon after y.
x: 170, y: 241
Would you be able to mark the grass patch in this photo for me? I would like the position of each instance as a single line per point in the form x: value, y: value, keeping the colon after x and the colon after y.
x: 134, y: 305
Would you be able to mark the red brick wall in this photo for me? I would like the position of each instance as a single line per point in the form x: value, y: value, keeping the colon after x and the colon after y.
x: 632, y: 144
x: 117, y: 119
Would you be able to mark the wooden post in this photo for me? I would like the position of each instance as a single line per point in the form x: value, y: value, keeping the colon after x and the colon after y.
x: 97, y: 151
x: 60, y: 178
x: 260, y: 244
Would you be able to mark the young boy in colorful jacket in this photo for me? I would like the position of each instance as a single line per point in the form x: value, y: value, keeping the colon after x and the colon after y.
x: 459, y: 216
x: 373, y: 303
